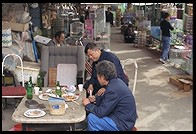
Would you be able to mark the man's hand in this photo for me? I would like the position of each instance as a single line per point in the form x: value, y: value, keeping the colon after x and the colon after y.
x: 85, y: 101
x: 92, y: 98
x: 90, y: 87
x: 101, y: 91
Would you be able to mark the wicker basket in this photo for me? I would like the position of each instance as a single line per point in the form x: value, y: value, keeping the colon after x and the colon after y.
x: 57, y: 106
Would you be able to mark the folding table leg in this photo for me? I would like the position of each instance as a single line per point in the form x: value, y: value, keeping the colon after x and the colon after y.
x: 3, y: 117
x: 72, y: 127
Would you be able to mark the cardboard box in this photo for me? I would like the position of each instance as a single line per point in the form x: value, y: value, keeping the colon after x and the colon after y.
x: 174, y: 80
x: 15, y: 26
x: 186, y: 84
x: 52, y: 77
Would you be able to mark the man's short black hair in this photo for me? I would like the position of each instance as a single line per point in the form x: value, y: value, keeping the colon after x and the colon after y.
x: 166, y: 14
x: 58, y: 34
x: 90, y: 45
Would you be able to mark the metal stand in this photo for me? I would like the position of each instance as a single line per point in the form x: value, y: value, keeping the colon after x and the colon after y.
x: 129, y: 61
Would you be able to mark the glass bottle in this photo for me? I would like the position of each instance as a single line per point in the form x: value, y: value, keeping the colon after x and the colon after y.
x: 30, y: 81
x: 58, y: 89
x: 39, y: 82
x: 29, y: 91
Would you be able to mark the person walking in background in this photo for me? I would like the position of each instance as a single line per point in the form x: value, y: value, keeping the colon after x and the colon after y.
x: 87, y: 13
x: 129, y: 35
x: 109, y: 16
x: 166, y: 37
x: 97, y: 55
x: 113, y: 108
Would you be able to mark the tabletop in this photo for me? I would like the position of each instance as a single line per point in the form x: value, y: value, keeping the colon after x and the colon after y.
x: 73, y: 114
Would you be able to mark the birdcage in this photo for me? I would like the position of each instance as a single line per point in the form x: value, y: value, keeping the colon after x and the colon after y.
x: 181, y: 58
x: 76, y: 29
x: 89, y: 29
x: 102, y: 37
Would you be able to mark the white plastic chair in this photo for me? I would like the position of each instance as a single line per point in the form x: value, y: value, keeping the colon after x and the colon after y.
x: 13, y: 96
x: 128, y: 62
x: 20, y: 63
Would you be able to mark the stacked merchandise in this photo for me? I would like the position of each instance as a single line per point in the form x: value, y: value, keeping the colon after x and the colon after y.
x: 58, y: 25
x: 188, y: 65
x: 15, y: 21
x: 89, y: 29
x: 181, y: 58
x: 182, y: 55
x: 101, y: 29
x: 118, y: 17
x: 188, y: 23
x: 141, y: 41
x: 127, y: 17
x: 102, y: 38
x: 156, y: 32
x: 171, y: 9
x: 177, y: 35
x: 149, y: 13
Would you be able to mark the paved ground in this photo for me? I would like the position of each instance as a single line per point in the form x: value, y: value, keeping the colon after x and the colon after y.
x: 160, y: 105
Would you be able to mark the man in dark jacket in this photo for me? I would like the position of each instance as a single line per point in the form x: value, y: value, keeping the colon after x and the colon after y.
x: 113, y: 108
x: 97, y: 55
x: 129, y: 35
x: 109, y: 16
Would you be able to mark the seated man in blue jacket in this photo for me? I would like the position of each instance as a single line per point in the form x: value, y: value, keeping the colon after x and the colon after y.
x: 113, y: 108
x: 97, y: 55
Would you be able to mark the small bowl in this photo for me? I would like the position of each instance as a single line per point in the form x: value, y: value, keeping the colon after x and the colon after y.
x: 71, y: 88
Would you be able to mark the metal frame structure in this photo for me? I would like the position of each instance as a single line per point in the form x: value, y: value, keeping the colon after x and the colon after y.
x: 127, y: 62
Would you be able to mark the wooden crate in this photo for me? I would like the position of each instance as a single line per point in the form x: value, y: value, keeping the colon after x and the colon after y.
x: 15, y: 26
x: 183, y: 82
x: 186, y: 84
x: 52, y: 77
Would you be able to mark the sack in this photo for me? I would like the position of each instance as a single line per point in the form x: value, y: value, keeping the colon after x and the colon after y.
x: 6, y: 37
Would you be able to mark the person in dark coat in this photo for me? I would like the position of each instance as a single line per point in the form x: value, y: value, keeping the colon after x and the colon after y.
x: 129, y: 35
x: 97, y: 55
x: 87, y: 13
x: 113, y: 108
x: 109, y: 16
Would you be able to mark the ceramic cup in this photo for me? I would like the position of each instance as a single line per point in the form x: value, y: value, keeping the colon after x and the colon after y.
x: 80, y: 87
x: 36, y: 90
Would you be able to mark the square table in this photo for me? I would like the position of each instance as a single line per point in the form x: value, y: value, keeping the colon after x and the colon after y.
x: 73, y: 114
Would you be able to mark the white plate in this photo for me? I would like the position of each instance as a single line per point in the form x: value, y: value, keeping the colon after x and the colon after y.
x: 53, y: 95
x: 44, y: 96
x: 48, y: 90
x: 72, y: 96
x: 32, y: 113
x: 71, y: 88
